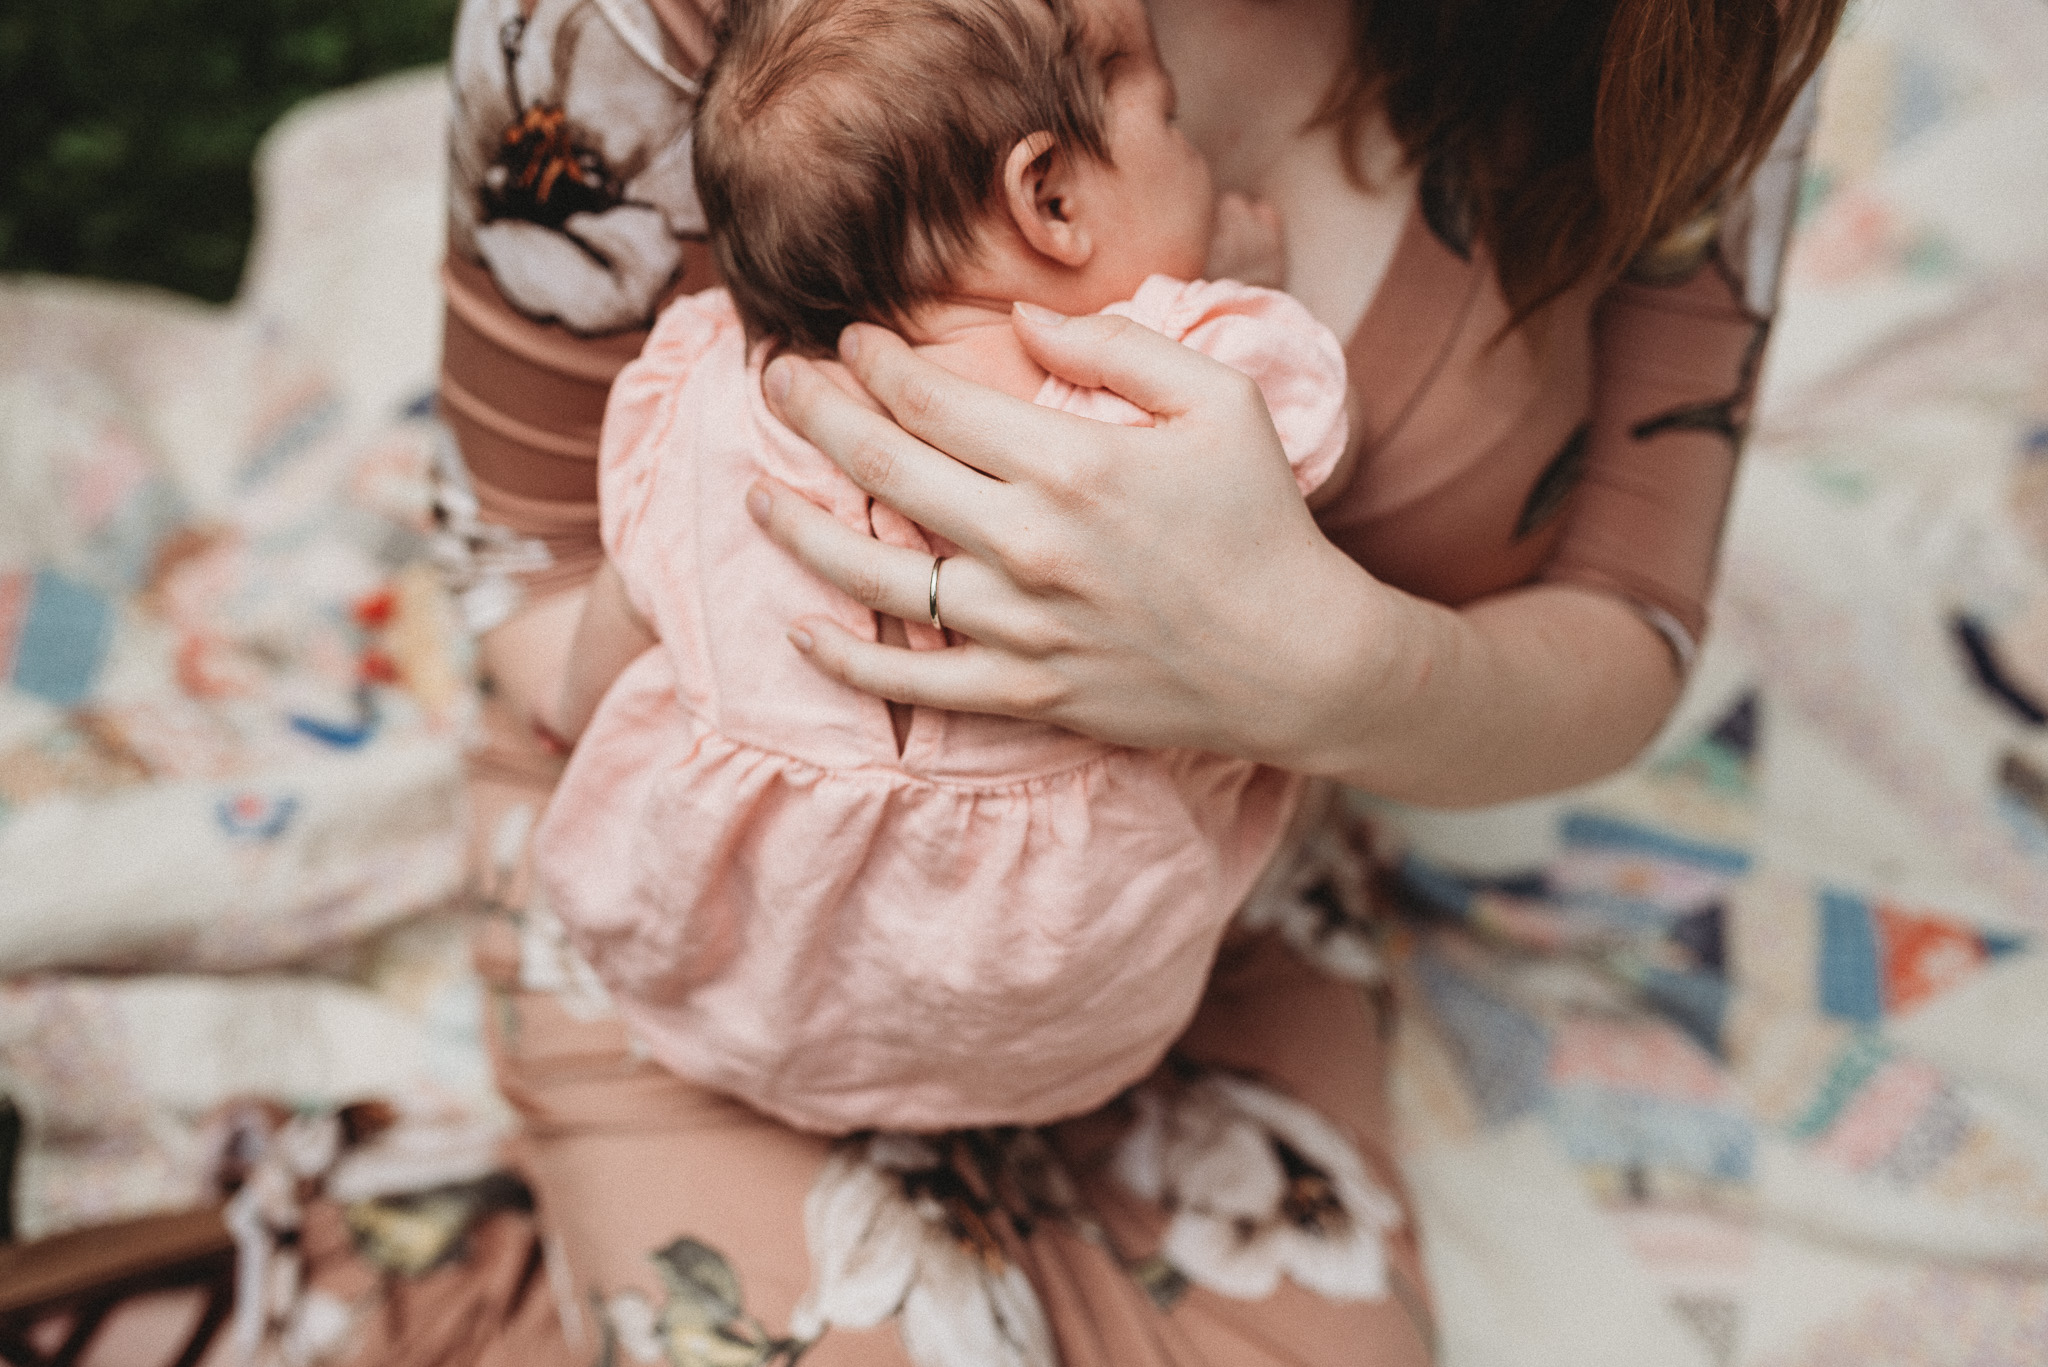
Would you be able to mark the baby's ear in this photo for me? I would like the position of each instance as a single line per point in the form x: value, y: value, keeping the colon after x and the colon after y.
x: 1039, y: 190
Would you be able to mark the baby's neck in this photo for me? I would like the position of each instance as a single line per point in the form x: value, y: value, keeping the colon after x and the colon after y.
x: 974, y: 339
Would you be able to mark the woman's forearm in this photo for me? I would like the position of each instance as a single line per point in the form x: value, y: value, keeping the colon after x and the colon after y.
x: 1522, y: 693
x: 1166, y: 586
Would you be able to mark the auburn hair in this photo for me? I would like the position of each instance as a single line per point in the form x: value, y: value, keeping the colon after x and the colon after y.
x: 847, y: 150
x: 1571, y: 135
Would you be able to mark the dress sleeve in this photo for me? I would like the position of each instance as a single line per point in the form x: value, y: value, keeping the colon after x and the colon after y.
x: 572, y: 217
x: 1678, y: 347
x: 1297, y: 363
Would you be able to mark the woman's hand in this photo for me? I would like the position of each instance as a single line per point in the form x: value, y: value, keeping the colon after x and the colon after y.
x: 1149, y: 586
x: 1166, y: 585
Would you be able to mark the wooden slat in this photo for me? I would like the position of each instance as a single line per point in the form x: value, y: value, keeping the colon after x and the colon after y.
x: 56, y: 1269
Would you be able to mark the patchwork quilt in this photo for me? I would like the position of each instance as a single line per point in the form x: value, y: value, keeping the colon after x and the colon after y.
x: 1742, y: 1057
x: 234, y: 692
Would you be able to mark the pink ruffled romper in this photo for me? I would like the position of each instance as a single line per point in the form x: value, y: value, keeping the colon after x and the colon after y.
x: 1006, y: 923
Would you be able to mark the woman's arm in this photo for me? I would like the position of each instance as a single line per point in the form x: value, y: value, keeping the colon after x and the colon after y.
x: 1164, y: 586
x: 1167, y: 586
x: 609, y: 636
x: 1521, y: 693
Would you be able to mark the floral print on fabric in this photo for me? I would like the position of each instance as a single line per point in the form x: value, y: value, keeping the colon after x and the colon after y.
x: 703, y: 1321
x: 480, y: 563
x: 913, y: 1227
x: 923, y: 1230
x: 572, y: 179
x: 1743, y: 238
x: 1317, y: 894
x: 409, y: 1191
x: 1259, y: 1186
x: 905, y: 1227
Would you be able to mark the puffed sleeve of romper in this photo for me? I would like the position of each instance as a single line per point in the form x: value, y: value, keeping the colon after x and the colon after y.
x: 643, y: 430
x: 572, y: 218
x: 1297, y: 363
x: 1678, y: 346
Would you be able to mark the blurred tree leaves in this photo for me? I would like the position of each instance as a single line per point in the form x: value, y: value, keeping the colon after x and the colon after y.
x: 126, y: 126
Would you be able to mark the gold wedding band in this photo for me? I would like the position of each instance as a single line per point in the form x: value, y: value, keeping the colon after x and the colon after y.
x: 933, y: 596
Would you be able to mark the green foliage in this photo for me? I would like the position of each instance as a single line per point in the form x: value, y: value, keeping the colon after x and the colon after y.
x: 126, y: 126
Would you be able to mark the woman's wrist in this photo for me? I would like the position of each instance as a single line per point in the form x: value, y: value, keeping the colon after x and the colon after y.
x: 1525, y: 693
x: 1319, y: 648
x: 1373, y: 653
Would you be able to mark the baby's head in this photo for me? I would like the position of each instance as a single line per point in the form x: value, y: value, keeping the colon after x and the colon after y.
x: 858, y: 159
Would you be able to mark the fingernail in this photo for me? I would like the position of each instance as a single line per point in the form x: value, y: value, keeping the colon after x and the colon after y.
x: 758, y: 503
x: 1038, y: 314
x: 801, y: 639
x: 849, y: 343
x: 776, y: 381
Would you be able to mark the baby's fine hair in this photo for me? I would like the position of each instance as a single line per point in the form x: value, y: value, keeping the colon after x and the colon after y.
x: 847, y: 150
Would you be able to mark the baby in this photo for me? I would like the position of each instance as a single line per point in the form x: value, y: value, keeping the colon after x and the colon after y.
x: 845, y: 915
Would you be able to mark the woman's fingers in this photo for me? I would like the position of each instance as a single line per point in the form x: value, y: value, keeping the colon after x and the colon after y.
x: 994, y: 432
x: 968, y: 677
x: 1103, y: 351
x: 889, y: 579
x: 1140, y: 585
x: 926, y: 485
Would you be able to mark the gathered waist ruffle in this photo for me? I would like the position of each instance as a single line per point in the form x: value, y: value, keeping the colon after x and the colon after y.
x: 845, y: 949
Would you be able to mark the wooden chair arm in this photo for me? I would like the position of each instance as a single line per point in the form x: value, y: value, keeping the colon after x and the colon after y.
x: 86, y: 1273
